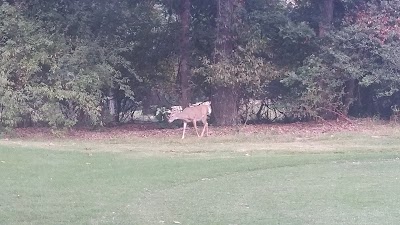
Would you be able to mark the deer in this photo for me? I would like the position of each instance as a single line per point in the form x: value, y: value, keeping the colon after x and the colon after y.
x: 192, y: 114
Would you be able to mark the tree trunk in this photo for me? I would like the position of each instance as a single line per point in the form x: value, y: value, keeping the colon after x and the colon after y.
x: 184, y: 71
x: 326, y: 17
x: 224, y: 99
x: 348, y: 97
x: 224, y: 106
x: 114, y: 104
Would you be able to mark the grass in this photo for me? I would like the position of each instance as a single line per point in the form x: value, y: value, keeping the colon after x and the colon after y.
x: 347, y: 178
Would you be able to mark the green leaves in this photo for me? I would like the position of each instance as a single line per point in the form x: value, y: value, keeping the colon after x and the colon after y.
x: 41, y: 81
x: 60, y: 60
x: 243, y: 69
x: 362, y: 55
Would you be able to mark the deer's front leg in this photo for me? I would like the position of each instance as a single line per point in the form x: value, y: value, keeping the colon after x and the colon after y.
x: 184, y: 128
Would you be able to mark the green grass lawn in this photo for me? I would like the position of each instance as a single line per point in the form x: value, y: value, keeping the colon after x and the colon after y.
x: 350, y: 178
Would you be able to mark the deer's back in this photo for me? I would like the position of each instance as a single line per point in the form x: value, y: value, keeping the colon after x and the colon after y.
x: 196, y: 112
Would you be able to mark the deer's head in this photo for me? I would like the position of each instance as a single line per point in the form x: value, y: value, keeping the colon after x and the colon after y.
x: 172, y: 117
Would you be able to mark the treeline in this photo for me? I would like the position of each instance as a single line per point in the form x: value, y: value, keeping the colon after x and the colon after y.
x: 94, y: 62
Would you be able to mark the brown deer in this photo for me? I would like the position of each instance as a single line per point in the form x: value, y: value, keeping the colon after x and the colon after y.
x: 193, y: 114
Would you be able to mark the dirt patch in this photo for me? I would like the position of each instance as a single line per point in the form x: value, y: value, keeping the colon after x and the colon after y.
x: 151, y: 130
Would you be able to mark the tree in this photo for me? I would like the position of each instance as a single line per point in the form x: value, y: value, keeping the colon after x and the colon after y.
x: 239, y: 64
x: 224, y: 94
x: 36, y: 85
x: 87, y: 49
x: 184, y: 70
x: 326, y: 16
x: 357, y: 65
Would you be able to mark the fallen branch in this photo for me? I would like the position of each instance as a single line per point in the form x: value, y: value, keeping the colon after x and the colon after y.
x: 339, y: 114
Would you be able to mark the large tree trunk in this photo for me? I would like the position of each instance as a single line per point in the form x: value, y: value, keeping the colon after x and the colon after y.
x: 224, y: 98
x: 224, y: 106
x: 325, y: 23
x: 326, y: 17
x: 184, y: 71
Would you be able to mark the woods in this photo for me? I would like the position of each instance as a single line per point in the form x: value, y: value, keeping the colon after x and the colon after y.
x: 95, y: 62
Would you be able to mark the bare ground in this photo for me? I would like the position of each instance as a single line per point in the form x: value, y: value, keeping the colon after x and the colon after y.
x: 155, y: 131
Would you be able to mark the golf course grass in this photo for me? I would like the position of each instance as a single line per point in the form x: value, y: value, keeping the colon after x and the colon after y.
x: 347, y: 178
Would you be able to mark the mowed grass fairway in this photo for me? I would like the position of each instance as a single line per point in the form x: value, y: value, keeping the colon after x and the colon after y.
x: 336, y: 178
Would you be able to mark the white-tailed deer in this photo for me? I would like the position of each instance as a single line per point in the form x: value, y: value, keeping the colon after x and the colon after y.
x: 193, y: 114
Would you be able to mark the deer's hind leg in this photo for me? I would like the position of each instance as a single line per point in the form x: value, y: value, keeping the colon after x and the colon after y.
x: 205, y: 126
x: 195, y: 127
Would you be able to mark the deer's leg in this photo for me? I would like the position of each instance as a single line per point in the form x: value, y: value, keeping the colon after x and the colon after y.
x: 207, y: 129
x: 184, y: 128
x: 195, y: 127
x: 205, y: 126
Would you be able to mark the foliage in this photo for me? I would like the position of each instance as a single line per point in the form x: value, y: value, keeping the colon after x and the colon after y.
x: 364, y: 52
x: 316, y: 88
x: 75, y: 53
x: 43, y: 79
x: 242, y: 68
x: 62, y: 60
x: 258, y: 29
x: 28, y: 56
